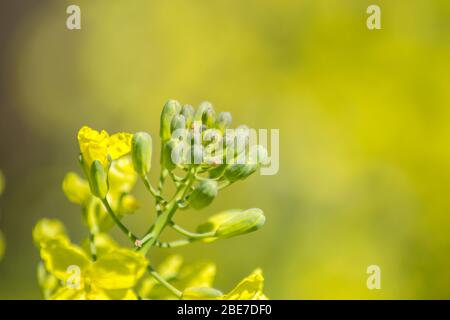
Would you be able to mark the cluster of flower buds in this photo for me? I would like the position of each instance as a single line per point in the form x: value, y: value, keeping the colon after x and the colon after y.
x: 202, y: 139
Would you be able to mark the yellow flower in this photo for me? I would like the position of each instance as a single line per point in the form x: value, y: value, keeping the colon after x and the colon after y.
x: 96, y: 145
x: 68, y: 272
x: 181, y: 276
x: 112, y: 276
x: 250, y: 288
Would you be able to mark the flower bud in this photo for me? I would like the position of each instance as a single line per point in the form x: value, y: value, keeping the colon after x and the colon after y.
x: 223, y: 121
x: 202, y: 110
x: 203, y: 194
x: 98, y: 180
x: 258, y: 155
x: 141, y: 151
x: 201, y: 293
x: 178, y: 122
x: 173, y: 154
x: 171, y: 108
x: 248, y: 221
x: 196, y: 153
x: 188, y: 112
x: 239, y: 171
x: 209, y: 117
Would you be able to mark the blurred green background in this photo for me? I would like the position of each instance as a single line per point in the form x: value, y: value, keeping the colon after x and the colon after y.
x: 363, y: 116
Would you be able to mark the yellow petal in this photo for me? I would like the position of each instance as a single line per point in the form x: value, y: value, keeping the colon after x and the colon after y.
x: 103, y: 244
x: 250, y: 288
x: 93, y: 145
x: 48, y: 229
x: 118, y: 269
x: 100, y: 294
x: 69, y: 294
x: 63, y: 259
x: 76, y: 188
x: 119, y: 145
x: 121, y: 176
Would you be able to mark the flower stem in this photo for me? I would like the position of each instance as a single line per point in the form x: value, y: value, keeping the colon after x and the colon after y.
x: 189, y: 234
x: 122, y: 227
x: 163, y: 281
x: 173, y: 244
x: 164, y: 218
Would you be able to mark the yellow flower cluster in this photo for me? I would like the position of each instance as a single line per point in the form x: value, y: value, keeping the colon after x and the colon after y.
x: 102, y: 269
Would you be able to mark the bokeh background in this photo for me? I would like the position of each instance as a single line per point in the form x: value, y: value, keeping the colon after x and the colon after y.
x: 363, y: 116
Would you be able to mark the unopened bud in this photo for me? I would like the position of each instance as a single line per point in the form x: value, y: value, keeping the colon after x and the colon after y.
x: 178, y: 122
x: 141, y: 151
x: 98, y: 180
x: 188, y: 112
x: 223, y: 121
x: 173, y: 154
x: 247, y: 221
x: 209, y: 118
x: 171, y: 108
x: 203, y: 108
x: 203, y: 194
x: 239, y: 171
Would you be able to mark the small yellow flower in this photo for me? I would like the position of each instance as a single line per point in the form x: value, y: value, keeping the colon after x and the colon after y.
x: 96, y: 145
x: 250, y: 288
x: 112, y: 276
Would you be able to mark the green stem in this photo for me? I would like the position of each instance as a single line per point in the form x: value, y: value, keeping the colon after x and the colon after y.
x: 122, y: 227
x: 149, y: 187
x: 173, y: 244
x: 164, y: 218
x: 189, y: 234
x: 92, y: 246
x: 163, y: 281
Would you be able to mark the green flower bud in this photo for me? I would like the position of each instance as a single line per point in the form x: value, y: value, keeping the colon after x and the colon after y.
x: 203, y: 194
x: 188, y: 112
x: 98, y: 180
x: 171, y: 108
x: 248, y: 221
x: 209, y: 118
x: 141, y: 151
x: 202, y: 110
x: 196, y: 153
x: 239, y: 171
x: 258, y: 155
x: 173, y: 154
x: 201, y: 293
x: 178, y: 122
x: 223, y: 121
